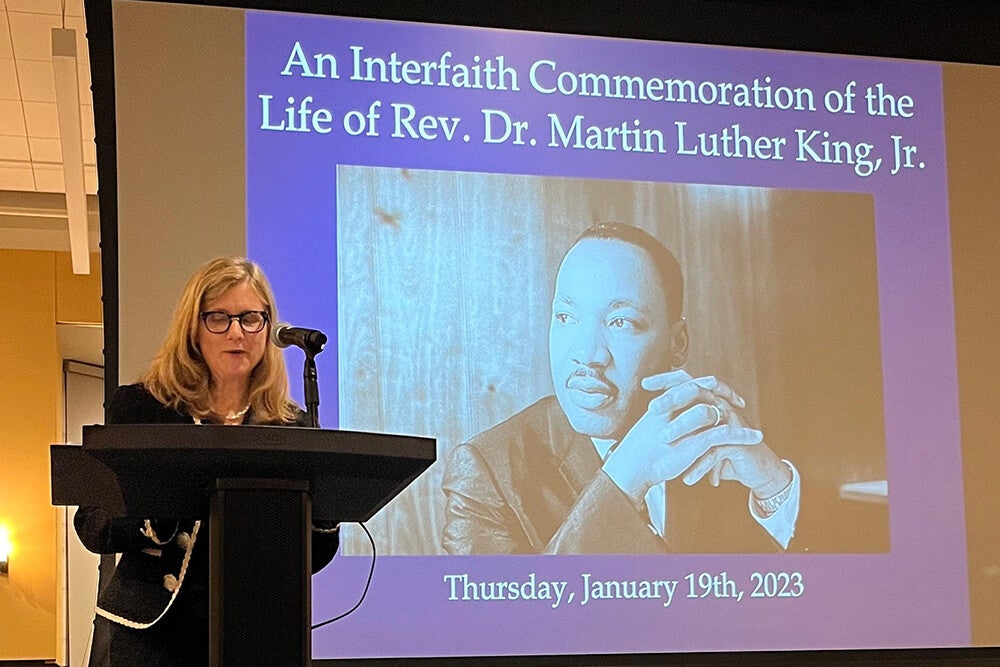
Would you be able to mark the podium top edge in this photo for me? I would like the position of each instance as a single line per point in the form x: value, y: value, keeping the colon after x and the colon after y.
x: 255, y: 437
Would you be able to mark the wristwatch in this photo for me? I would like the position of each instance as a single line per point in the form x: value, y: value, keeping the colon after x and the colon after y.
x: 769, y: 506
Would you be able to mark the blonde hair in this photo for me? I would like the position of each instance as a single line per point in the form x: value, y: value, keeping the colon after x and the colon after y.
x: 179, y: 377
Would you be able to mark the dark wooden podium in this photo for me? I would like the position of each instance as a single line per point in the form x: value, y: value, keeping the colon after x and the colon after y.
x: 260, y: 487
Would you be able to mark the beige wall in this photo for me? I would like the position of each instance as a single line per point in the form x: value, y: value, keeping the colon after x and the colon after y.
x: 973, y: 138
x: 37, y: 289
x: 172, y: 220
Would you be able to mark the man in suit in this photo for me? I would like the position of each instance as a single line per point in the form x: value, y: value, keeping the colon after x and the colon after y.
x: 611, y: 462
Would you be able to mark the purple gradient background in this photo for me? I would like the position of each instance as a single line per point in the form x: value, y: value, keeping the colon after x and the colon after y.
x: 915, y: 596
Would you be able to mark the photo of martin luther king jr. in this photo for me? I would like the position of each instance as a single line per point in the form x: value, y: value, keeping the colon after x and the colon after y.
x: 631, y: 454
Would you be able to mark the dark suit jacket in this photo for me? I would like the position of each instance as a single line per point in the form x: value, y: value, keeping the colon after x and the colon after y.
x: 533, y: 485
x: 136, y: 592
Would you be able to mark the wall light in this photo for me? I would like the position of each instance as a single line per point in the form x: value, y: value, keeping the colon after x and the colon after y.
x: 5, y: 549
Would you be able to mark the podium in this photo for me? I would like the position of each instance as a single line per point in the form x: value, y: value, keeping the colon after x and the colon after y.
x: 260, y: 487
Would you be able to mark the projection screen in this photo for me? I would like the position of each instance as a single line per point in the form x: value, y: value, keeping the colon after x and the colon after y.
x: 414, y: 190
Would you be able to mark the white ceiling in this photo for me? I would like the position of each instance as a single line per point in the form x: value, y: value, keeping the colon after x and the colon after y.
x: 32, y: 205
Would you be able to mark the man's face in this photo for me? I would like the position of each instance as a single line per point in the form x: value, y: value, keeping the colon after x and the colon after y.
x: 608, y: 331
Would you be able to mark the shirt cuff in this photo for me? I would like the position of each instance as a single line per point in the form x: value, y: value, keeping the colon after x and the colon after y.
x: 781, y: 524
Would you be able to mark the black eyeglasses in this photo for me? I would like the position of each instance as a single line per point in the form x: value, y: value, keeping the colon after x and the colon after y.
x: 218, y: 321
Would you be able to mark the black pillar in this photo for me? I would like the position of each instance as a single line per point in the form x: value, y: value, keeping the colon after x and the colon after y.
x: 259, y: 568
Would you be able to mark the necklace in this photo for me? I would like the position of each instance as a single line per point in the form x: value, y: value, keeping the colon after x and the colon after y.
x: 236, y: 415
x: 232, y: 416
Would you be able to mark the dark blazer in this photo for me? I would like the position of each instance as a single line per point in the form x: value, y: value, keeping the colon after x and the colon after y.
x: 147, y: 588
x: 533, y: 485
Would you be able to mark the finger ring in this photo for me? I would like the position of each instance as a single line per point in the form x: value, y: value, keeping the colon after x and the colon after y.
x: 718, y: 414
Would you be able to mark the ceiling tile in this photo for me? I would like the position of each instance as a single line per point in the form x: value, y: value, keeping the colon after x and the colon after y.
x: 45, y: 150
x: 90, y: 180
x: 74, y: 7
x: 16, y: 177
x: 6, y: 50
x: 87, y: 123
x: 41, y: 119
x: 82, y: 58
x: 36, y: 80
x: 83, y: 77
x: 49, y: 178
x: 36, y: 6
x: 14, y: 148
x: 30, y: 150
x: 31, y: 34
x: 11, y: 118
x: 89, y: 152
x: 8, y: 80
x: 79, y: 24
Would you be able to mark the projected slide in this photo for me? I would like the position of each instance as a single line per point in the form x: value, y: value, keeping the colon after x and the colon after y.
x: 728, y: 413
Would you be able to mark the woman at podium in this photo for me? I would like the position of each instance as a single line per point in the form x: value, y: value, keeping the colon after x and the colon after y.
x: 216, y: 366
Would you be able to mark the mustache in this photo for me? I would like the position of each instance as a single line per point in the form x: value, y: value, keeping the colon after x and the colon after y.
x: 585, y: 377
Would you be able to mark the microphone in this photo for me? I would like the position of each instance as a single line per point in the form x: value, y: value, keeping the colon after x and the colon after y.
x: 284, y: 334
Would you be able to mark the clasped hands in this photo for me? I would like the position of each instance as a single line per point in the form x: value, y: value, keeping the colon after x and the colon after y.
x: 692, y: 429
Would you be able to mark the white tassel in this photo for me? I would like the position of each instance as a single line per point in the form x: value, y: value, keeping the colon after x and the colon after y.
x: 335, y: 528
x: 172, y: 586
x: 147, y: 530
x: 184, y: 540
x: 170, y: 582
